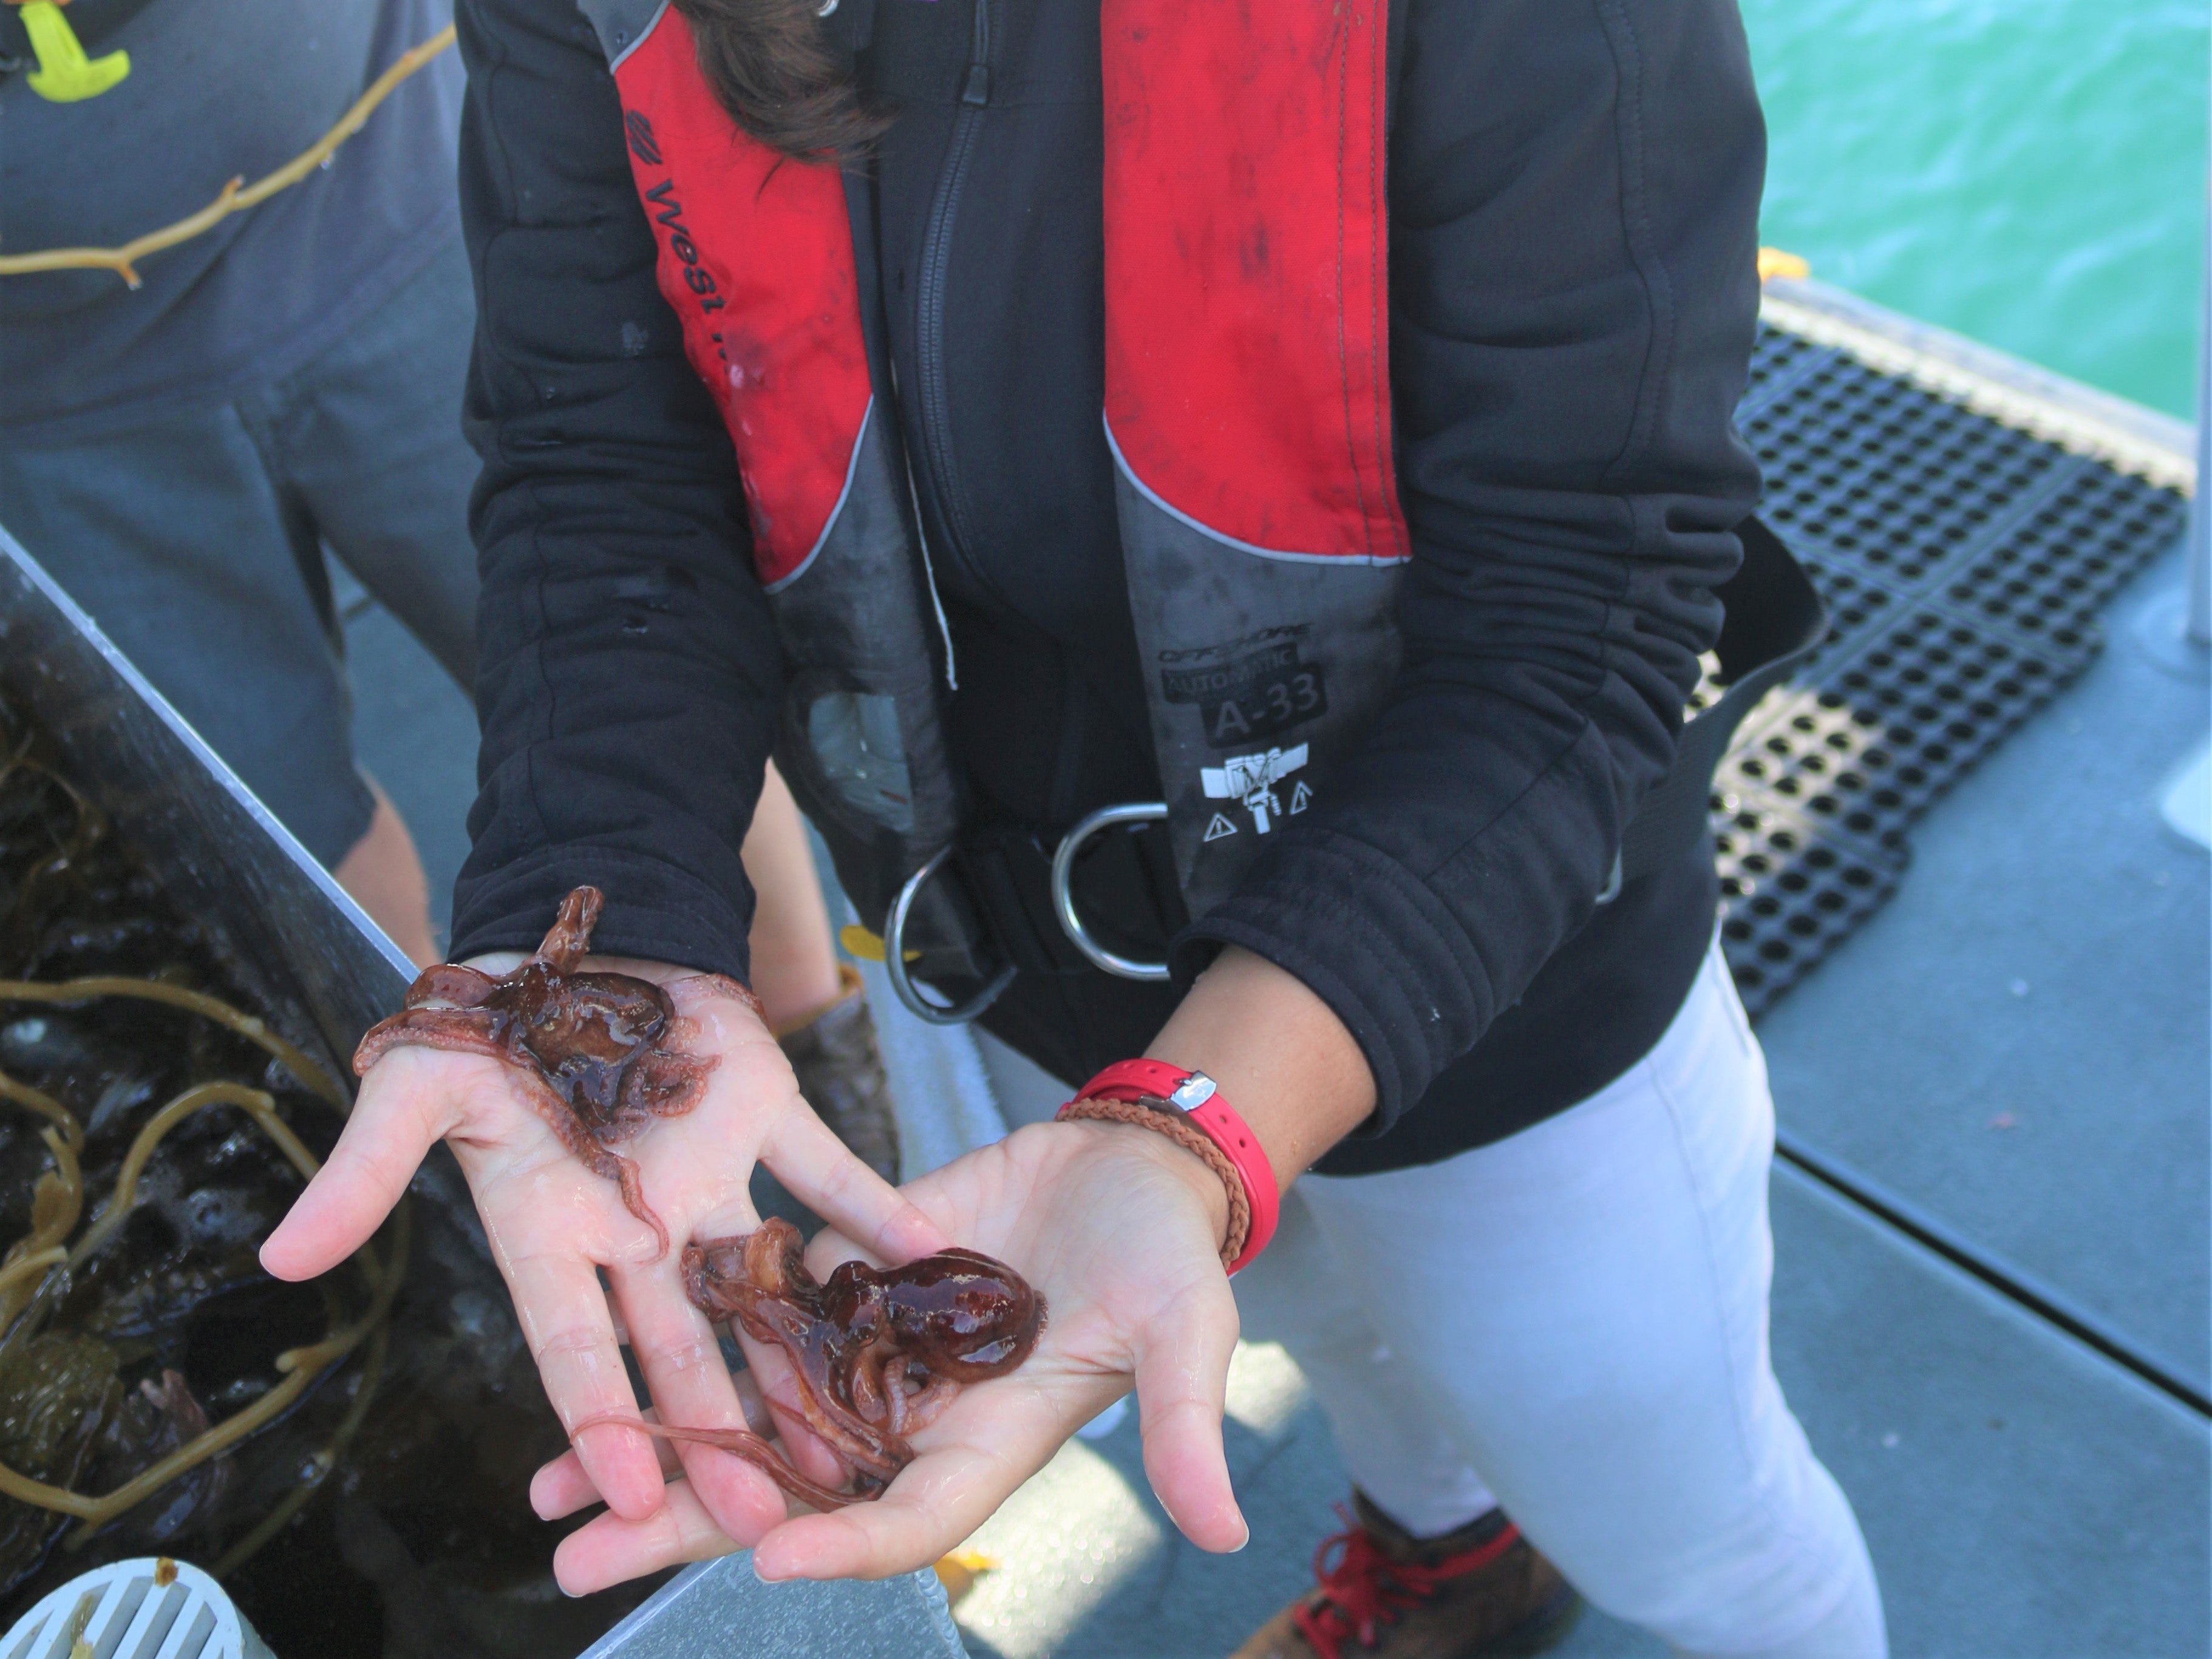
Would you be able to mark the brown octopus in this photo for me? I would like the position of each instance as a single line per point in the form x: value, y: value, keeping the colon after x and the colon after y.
x: 595, y: 1043
x: 877, y: 1354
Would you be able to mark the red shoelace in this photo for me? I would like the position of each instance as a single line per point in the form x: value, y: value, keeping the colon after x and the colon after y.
x: 1365, y: 1591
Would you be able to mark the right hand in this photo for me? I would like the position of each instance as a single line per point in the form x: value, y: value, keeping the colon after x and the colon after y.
x: 554, y: 1226
x: 1120, y: 1230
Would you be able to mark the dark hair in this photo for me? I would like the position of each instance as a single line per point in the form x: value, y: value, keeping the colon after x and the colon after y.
x: 773, y: 70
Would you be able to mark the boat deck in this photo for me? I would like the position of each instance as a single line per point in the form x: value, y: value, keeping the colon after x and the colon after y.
x: 1991, y: 1058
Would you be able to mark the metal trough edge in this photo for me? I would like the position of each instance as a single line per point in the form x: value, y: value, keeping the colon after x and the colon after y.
x: 321, y: 968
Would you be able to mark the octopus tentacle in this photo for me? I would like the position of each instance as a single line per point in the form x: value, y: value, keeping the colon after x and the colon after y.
x: 746, y: 1445
x: 853, y: 1439
x: 721, y: 984
x: 666, y: 1084
x: 624, y: 1171
x: 925, y: 1406
x: 453, y: 1029
x: 570, y: 939
x: 450, y: 983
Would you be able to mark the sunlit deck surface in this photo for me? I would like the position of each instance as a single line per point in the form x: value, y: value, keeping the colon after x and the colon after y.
x: 2010, y: 1055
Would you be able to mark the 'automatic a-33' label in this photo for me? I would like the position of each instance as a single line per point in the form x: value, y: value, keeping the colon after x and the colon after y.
x: 1256, y: 687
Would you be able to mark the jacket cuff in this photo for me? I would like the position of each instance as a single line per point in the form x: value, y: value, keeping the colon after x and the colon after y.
x: 654, y: 911
x: 1367, y: 938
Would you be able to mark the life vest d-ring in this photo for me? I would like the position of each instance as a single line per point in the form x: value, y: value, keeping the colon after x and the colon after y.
x: 1063, y: 890
x: 895, y: 956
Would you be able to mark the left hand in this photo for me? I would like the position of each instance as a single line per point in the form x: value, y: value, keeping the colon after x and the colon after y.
x: 1120, y: 1229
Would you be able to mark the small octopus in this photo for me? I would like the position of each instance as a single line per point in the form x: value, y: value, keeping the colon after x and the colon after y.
x: 878, y: 1355
x: 595, y: 1046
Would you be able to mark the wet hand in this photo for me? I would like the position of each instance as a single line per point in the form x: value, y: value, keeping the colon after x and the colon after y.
x: 1121, y: 1230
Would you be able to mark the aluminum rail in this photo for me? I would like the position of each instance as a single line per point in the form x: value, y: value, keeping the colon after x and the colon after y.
x: 2199, y: 625
x: 721, y: 1608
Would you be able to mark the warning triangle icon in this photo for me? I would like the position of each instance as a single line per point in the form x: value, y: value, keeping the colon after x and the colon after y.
x: 1219, y: 827
x: 1301, y: 798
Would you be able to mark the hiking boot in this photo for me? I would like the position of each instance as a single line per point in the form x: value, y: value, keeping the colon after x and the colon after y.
x: 1479, y: 1593
x: 840, y: 1073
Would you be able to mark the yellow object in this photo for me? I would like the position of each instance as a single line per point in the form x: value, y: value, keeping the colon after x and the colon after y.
x: 868, y: 947
x: 1774, y: 262
x: 958, y: 1571
x: 237, y: 196
x: 65, y: 75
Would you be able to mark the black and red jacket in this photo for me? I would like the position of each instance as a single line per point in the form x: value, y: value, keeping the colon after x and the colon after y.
x: 1503, y: 430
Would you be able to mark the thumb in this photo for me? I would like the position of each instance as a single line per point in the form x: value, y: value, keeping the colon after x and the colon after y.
x: 407, y: 1104
x: 1182, y: 1388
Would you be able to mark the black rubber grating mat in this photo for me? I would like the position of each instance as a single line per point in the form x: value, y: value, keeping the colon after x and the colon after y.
x: 1963, y: 563
x: 1897, y: 723
x: 1792, y: 886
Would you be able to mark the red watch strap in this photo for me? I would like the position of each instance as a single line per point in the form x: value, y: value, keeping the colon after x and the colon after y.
x: 1133, y: 1080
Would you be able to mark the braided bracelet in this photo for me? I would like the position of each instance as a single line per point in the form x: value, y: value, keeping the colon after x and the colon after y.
x: 1152, y: 1112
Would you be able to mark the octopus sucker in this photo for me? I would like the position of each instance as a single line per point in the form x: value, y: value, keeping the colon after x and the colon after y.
x: 877, y: 1355
x: 597, y: 1048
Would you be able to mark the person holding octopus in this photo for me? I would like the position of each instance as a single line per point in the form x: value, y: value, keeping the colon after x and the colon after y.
x: 1217, y: 513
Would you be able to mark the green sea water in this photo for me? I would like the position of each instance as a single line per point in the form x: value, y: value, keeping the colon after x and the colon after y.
x: 2030, y: 172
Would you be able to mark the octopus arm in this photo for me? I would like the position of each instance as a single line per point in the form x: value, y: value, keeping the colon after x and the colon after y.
x: 748, y: 1445
x: 450, y: 985
x: 570, y: 936
x: 623, y: 1171
x: 804, y: 1339
x: 461, y: 1030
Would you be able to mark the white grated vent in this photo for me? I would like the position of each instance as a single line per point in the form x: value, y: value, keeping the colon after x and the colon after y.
x: 150, y: 1608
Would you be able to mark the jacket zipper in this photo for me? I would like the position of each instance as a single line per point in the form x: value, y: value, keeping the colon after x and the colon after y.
x: 929, y: 299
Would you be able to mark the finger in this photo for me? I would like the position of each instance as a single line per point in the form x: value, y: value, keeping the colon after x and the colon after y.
x: 776, y: 1382
x: 936, y: 1501
x: 994, y: 1436
x: 691, y: 1387
x: 818, y: 1170
x: 769, y: 1389
x: 409, y: 1101
x: 609, y: 1549
x: 1182, y: 1388
x: 563, y: 1312
x: 561, y: 1487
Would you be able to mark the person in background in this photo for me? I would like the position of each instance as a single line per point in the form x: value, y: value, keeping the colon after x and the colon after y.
x: 1311, y: 423
x: 177, y: 454
x: 812, y: 1002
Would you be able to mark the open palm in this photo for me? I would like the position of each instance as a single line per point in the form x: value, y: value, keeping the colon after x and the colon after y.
x: 555, y: 1227
x: 1119, y: 1228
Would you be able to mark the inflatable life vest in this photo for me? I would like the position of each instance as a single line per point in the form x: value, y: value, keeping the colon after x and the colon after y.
x: 1248, y: 409
x: 1248, y: 404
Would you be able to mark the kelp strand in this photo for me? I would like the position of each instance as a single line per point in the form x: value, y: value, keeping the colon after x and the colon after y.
x: 60, y: 1195
x: 312, y: 1076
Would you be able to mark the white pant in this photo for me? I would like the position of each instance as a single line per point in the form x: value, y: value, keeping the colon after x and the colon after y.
x: 1575, y: 1319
